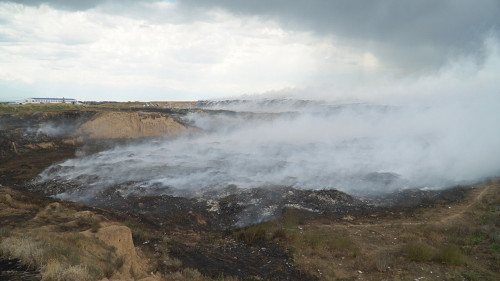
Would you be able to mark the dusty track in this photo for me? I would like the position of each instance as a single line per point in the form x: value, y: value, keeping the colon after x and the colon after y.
x: 456, y: 212
x: 382, y: 236
x: 443, y: 214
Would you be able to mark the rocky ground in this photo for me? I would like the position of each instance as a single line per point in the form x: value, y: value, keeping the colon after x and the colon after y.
x: 277, y: 233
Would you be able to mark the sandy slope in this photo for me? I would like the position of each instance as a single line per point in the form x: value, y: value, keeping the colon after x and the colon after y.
x: 126, y: 125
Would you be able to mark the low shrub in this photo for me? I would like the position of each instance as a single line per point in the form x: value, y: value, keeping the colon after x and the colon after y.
x: 381, y: 264
x: 174, y: 263
x: 418, y: 251
x: 191, y: 274
x: 495, y: 249
x: 472, y: 276
x: 280, y: 234
x: 315, y: 240
x: 449, y: 254
x: 252, y: 234
x: 140, y: 234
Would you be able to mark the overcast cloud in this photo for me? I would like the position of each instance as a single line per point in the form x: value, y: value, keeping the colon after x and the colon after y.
x: 197, y: 49
x: 413, y: 35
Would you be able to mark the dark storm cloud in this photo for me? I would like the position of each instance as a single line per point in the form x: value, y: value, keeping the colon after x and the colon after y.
x: 406, y: 35
x: 74, y: 5
x: 63, y: 4
x: 414, y: 35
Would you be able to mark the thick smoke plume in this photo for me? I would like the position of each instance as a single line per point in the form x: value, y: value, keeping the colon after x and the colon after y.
x: 433, y: 133
x: 356, y: 148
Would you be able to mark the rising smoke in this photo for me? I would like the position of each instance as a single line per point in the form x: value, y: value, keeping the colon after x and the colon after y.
x: 429, y: 133
x: 356, y: 148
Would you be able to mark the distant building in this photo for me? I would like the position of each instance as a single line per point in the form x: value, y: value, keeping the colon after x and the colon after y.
x: 46, y: 100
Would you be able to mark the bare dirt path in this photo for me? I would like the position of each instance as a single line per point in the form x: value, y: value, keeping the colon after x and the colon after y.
x: 381, y: 240
x: 440, y: 214
x: 476, y: 196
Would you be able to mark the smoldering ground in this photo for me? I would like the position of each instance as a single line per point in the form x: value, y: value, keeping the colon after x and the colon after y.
x: 432, y: 132
x: 356, y: 148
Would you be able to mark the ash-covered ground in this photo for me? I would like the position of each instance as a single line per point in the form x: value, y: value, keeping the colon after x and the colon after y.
x: 241, y: 162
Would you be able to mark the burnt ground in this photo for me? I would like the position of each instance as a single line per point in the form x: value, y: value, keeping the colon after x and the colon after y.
x: 29, y: 142
x: 14, y: 270
x: 201, y: 234
x: 25, y: 151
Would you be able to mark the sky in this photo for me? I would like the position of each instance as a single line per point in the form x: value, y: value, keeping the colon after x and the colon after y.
x: 199, y: 49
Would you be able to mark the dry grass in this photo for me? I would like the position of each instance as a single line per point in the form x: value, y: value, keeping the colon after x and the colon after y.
x: 253, y: 234
x: 28, y: 250
x: 312, y: 249
x: 11, y: 108
x: 450, y: 255
x: 451, y: 244
x: 62, y: 256
x: 59, y: 241
x: 57, y: 271
x: 141, y: 233
x: 418, y: 251
x: 287, y: 232
x: 190, y: 274
x: 16, y: 204
x: 457, y: 242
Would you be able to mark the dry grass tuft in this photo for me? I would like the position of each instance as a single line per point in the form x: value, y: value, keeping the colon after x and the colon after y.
x: 450, y: 255
x: 418, y: 251
x: 29, y: 251
x: 66, y: 256
x: 254, y: 233
x: 57, y: 271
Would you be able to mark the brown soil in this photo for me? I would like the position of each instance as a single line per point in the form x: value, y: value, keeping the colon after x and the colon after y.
x: 129, y: 125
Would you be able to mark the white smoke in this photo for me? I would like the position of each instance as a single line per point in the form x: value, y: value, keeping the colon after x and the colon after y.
x: 428, y: 133
x: 51, y: 129
x: 339, y: 147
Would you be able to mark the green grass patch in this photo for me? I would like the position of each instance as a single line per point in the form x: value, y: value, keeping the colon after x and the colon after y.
x: 471, y: 275
x: 495, y: 249
x: 476, y: 239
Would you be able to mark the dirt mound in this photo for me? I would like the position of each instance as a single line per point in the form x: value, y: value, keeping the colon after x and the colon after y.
x: 127, y: 125
x: 42, y: 238
x: 120, y: 237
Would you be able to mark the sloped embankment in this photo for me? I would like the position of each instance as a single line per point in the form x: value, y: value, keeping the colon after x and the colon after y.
x: 128, y: 125
x: 65, y: 241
